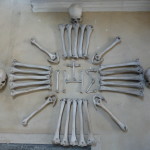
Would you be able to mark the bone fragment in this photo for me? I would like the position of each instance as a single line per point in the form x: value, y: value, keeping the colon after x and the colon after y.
x: 75, y: 42
x: 18, y: 92
x: 139, y: 85
x: 16, y: 63
x: 69, y: 35
x: 82, y: 142
x: 49, y: 99
x: 15, y: 70
x: 128, y: 64
x: 56, y: 139
x: 14, y: 85
x: 81, y: 37
x: 62, y: 28
x: 138, y: 92
x: 65, y: 141
x: 89, y: 29
x: 91, y: 139
x: 137, y: 70
x: 73, y: 140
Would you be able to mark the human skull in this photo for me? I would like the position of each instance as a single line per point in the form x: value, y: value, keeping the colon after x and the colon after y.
x: 75, y: 12
x: 3, y: 78
x: 147, y: 77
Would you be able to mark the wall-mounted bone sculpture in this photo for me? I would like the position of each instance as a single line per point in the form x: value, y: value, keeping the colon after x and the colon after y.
x: 3, y: 78
x: 49, y: 99
x: 53, y: 58
x: 97, y: 100
x: 98, y: 58
x: 76, y: 105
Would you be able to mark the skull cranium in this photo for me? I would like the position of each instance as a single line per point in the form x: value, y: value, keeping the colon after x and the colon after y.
x: 3, y: 78
x: 147, y: 77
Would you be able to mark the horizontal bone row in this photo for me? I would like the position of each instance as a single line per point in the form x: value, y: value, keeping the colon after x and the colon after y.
x: 74, y: 103
x: 125, y: 75
x: 25, y: 78
x: 75, y: 47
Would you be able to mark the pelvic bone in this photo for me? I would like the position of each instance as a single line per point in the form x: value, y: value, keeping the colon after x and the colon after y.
x: 49, y: 99
x: 98, y: 101
x: 65, y: 141
x: 16, y: 63
x: 82, y: 142
x: 56, y: 139
x: 62, y: 28
x: 73, y: 140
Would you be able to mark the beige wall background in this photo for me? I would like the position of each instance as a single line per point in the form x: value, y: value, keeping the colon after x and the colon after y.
x: 18, y: 24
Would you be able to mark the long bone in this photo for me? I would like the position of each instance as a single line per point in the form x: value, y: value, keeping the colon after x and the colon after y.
x: 56, y: 139
x: 98, y: 58
x: 80, y: 47
x: 53, y: 58
x: 16, y: 70
x: 16, y: 63
x: 128, y: 64
x: 136, y: 70
x: 73, y: 140
x: 97, y: 100
x: 62, y: 28
x: 82, y: 142
x: 74, y: 49
x: 57, y: 81
x: 18, y: 92
x: 139, y: 85
x: 89, y: 29
x: 49, y: 99
x: 124, y: 78
x: 69, y: 33
x: 65, y: 141
x: 14, y: 85
x: 13, y: 77
x: 91, y: 139
x: 137, y: 92
x: 64, y: 81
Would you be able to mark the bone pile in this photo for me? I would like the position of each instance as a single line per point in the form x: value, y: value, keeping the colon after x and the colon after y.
x: 25, y: 78
x: 128, y: 77
x: 75, y: 40
x: 76, y: 104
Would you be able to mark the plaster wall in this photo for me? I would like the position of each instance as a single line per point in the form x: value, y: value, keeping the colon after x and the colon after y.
x: 18, y: 24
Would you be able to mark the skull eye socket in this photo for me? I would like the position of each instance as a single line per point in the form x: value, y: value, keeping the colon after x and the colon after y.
x: 3, y: 81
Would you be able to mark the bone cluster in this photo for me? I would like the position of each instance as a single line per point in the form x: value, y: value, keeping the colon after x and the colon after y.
x: 75, y: 40
x: 128, y: 77
x: 76, y: 105
x: 25, y: 78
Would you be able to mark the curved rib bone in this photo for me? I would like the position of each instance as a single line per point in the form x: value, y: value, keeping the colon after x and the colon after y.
x: 82, y: 142
x: 69, y: 33
x: 65, y: 141
x: 98, y: 58
x: 74, y: 50
x: 80, y: 49
x: 132, y: 63
x: 25, y: 84
x: 73, y: 140
x: 137, y: 70
x: 16, y: 63
x: 49, y: 99
x: 139, y: 85
x: 15, y: 70
x: 17, y: 92
x: 89, y: 29
x: 54, y: 58
x: 132, y: 92
x: 91, y: 139
x: 62, y: 32
x: 56, y: 139
x: 13, y: 77
x: 124, y: 78
x: 98, y: 101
